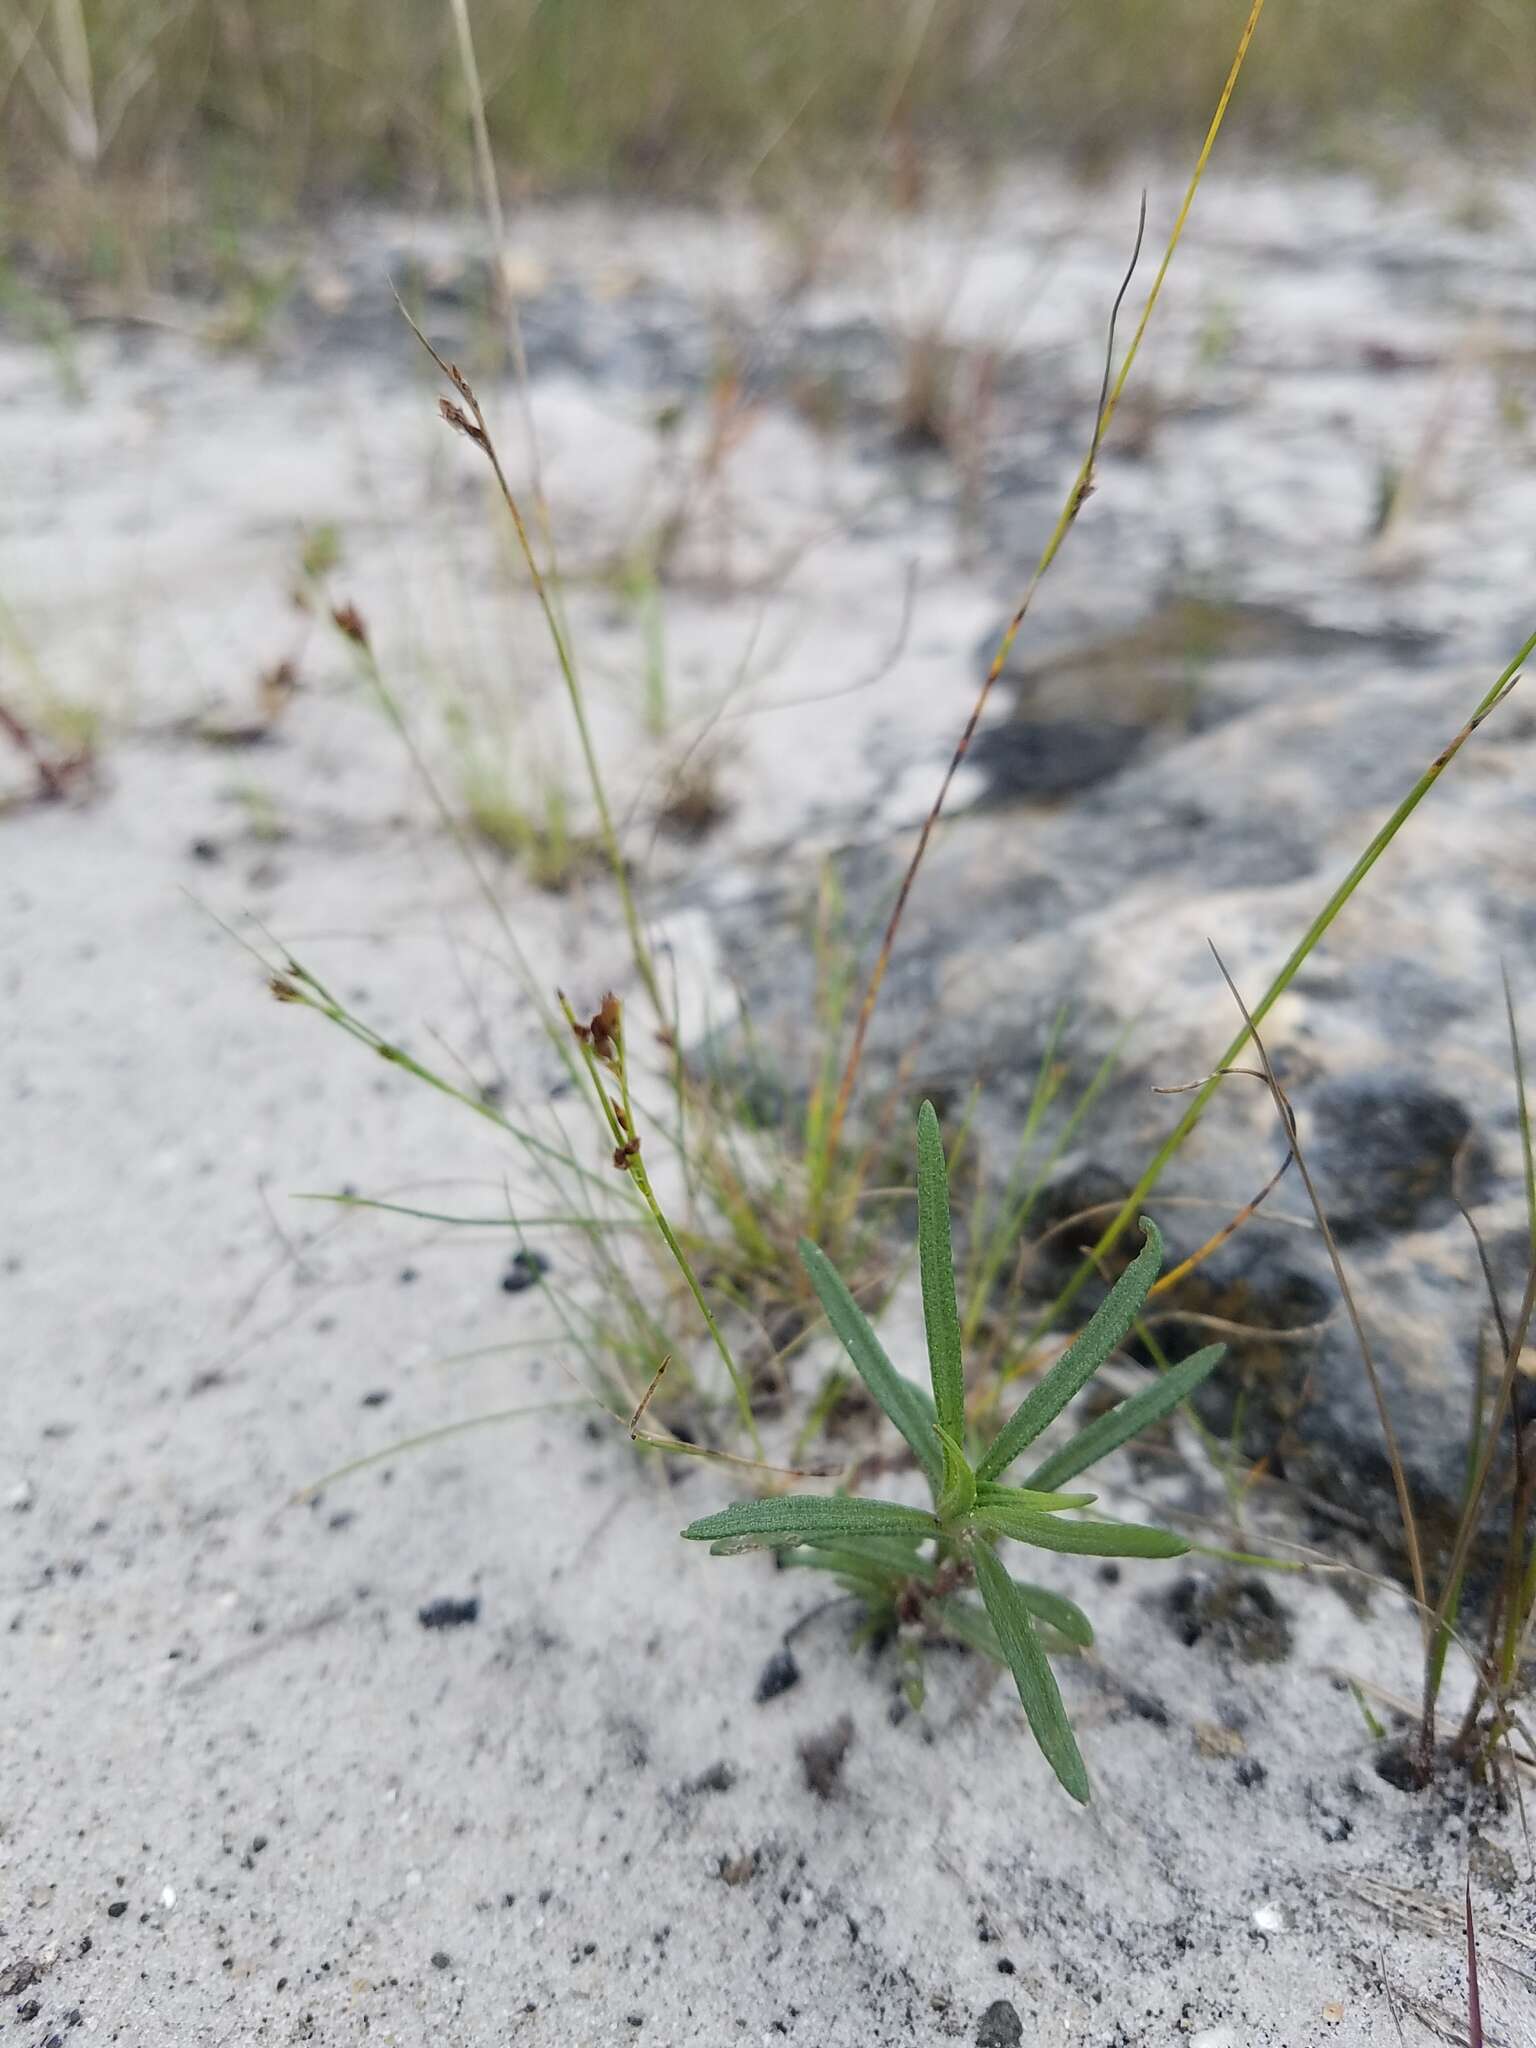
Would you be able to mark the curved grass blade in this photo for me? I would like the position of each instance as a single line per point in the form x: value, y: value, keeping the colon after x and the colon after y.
x: 1129, y: 1419
x: 1080, y: 1539
x: 1032, y: 1674
x: 906, y: 1405
x: 936, y: 1265
x: 809, y: 1518
x: 1081, y: 1360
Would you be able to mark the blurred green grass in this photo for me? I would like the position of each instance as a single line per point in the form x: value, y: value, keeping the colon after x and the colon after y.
x: 247, y: 110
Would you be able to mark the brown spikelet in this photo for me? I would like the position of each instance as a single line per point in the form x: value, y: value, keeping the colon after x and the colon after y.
x: 349, y: 620
x: 460, y: 420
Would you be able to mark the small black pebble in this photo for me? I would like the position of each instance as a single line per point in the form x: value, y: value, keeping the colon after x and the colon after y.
x: 589, y: 1948
x: 376, y: 1398
x: 205, y: 850
x: 448, y: 1613
x: 117, y: 1909
x: 407, y: 1275
x: 28, y: 2010
x: 341, y: 1518
x: 53, y: 2041
x: 526, y: 1270
x: 777, y: 1675
x: 999, y: 2027
x: 1005, y: 1968
x: 636, y: 2019
x: 1109, y: 1575
x: 1146, y: 1708
x: 441, y: 1960
x: 1251, y: 1773
x: 822, y: 1757
x: 258, y: 1843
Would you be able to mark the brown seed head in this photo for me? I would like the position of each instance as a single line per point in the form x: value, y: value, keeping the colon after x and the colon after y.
x: 349, y: 620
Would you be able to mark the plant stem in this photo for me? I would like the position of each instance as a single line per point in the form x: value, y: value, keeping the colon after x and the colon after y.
x: 626, y: 1140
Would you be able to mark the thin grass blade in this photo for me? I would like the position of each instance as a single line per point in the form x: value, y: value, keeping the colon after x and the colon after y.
x: 1129, y: 1419
x: 936, y: 1264
x: 906, y: 1405
x: 1032, y: 1674
x: 1474, y: 1995
x: 1081, y: 1360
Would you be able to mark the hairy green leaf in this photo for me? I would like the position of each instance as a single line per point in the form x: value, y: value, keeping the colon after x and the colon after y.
x: 808, y: 1518
x: 1027, y: 1497
x: 1081, y: 1360
x: 935, y: 1257
x: 957, y: 1496
x: 1081, y: 1539
x: 886, y: 1560
x: 875, y: 1583
x: 1032, y: 1673
x: 1129, y: 1419
x: 906, y: 1405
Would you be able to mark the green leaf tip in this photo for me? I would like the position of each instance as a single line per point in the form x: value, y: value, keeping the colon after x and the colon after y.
x: 1039, y: 1694
x: 936, y: 1264
x: 1082, y: 1358
x: 1129, y: 1418
x: 957, y: 1496
x: 1079, y: 1539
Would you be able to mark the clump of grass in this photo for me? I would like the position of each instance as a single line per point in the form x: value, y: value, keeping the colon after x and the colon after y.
x: 910, y: 1566
x: 1491, y: 1716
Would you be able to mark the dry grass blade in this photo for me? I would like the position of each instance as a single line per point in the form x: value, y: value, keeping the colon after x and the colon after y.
x: 1474, y: 1995
x: 1310, y: 939
x: 1109, y: 398
x: 470, y: 421
x: 1394, y: 1452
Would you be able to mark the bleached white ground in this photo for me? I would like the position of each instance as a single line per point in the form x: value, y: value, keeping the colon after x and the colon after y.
x: 569, y: 1821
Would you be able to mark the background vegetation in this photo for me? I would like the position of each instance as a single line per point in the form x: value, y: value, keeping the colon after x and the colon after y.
x: 161, y: 113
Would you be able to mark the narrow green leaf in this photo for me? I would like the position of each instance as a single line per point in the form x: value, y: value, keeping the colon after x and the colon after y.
x: 1027, y: 1497
x: 807, y: 1518
x: 1081, y: 1360
x: 891, y: 1553
x: 875, y: 1582
x: 1032, y: 1673
x: 1129, y: 1419
x: 968, y: 1624
x: 1081, y: 1539
x: 936, y: 1264
x: 957, y: 1496
x: 1062, y: 1614
x: 906, y: 1405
